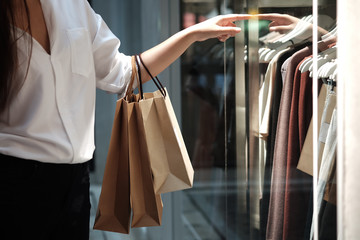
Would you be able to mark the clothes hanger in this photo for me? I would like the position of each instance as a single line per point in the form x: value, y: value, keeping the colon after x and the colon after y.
x: 297, y: 35
x: 305, y: 64
x: 332, y: 33
x: 328, y: 69
x: 331, y: 69
x: 261, y: 50
x: 324, y: 66
x: 323, y: 57
x: 333, y: 76
x: 323, y: 70
x: 302, y: 31
x: 263, y: 54
x: 270, y: 37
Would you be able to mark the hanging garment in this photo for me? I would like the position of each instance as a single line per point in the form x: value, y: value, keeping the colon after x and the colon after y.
x: 327, y: 162
x: 297, y: 184
x: 265, y: 103
x: 266, y: 94
x: 330, y: 189
x: 276, y: 206
x: 273, y: 120
x: 327, y: 216
x: 305, y: 106
x: 307, y: 151
x: 326, y: 105
x: 274, y: 112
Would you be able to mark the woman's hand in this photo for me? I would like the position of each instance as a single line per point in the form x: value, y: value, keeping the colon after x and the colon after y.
x: 281, y: 23
x: 221, y: 27
x: 284, y: 23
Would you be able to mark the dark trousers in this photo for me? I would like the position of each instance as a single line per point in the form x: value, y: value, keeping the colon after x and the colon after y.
x: 43, y: 200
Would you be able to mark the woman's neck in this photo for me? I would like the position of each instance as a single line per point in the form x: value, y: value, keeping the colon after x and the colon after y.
x: 36, y: 27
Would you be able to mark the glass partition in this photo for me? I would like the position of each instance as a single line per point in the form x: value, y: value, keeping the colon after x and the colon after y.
x: 247, y: 116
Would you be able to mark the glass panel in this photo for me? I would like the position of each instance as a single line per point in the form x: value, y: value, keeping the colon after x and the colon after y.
x: 248, y: 124
x: 209, y: 130
x: 325, y: 64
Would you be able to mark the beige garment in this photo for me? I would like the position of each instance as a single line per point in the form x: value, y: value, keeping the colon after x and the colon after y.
x: 326, y: 105
x: 265, y: 95
x: 265, y: 101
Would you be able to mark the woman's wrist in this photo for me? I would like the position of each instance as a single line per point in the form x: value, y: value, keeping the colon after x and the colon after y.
x: 190, y: 35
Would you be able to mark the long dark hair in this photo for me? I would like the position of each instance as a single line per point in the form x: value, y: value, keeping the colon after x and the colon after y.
x: 8, y: 50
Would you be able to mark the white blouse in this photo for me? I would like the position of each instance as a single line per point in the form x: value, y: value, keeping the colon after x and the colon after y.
x: 52, y: 117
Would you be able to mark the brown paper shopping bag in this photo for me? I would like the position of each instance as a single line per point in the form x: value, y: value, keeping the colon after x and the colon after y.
x: 127, y: 173
x: 170, y: 162
x: 146, y: 206
x: 113, y: 212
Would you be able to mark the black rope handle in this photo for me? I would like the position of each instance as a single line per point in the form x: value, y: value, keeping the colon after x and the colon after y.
x: 155, y: 79
x: 140, y: 80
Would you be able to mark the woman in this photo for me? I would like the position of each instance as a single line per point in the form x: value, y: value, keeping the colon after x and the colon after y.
x: 54, y: 55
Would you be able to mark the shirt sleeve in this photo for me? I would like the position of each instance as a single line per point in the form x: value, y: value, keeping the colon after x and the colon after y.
x: 112, y: 68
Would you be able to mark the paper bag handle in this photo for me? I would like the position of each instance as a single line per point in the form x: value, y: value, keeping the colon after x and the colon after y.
x: 136, y: 73
x: 155, y: 79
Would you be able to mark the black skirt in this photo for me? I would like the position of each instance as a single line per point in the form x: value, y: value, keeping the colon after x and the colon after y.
x: 44, y: 200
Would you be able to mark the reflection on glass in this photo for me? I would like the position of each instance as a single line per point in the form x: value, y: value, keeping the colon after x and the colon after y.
x: 215, y: 207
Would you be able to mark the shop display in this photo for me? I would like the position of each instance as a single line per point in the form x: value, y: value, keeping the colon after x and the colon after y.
x: 276, y: 199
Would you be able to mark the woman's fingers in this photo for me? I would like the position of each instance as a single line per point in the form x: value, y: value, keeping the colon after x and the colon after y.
x: 223, y: 38
x: 281, y: 29
x: 234, y: 17
x: 273, y: 17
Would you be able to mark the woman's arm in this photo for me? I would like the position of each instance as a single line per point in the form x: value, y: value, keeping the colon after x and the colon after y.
x: 161, y: 56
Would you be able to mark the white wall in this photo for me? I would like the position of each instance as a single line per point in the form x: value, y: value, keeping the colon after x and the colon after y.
x: 348, y: 162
